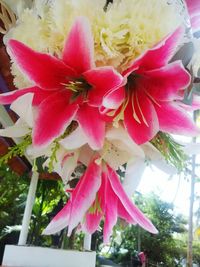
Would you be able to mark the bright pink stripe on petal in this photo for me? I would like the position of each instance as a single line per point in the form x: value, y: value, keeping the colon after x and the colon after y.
x: 133, y: 211
x: 173, y: 119
x: 111, y: 202
x: 44, y: 70
x: 79, y: 47
x: 84, y: 194
x: 92, y: 124
x: 92, y: 221
x: 53, y: 117
x: 104, y: 80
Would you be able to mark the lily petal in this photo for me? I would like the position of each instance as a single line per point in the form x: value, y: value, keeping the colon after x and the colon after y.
x: 19, y: 129
x: 195, y: 22
x: 133, y: 175
x: 122, y: 213
x: 92, y: 220
x: 59, y: 222
x: 44, y: 70
x: 92, y: 125
x: 39, y: 95
x: 103, y: 80
x: 146, y: 128
x: 159, y: 55
x: 79, y: 47
x: 136, y: 214
x: 75, y: 140
x: 23, y: 108
x: 53, y: 118
x: 67, y: 165
x: 157, y: 159
x: 193, y: 7
x: 114, y: 99
x: 91, y: 223
x: 164, y: 83
x: 173, y: 119
x: 119, y: 134
x: 111, y: 209
x: 84, y: 194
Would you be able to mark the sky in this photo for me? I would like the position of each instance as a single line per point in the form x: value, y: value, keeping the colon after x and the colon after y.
x: 174, y: 189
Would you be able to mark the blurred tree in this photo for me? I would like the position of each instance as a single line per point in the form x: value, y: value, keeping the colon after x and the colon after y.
x: 163, y: 248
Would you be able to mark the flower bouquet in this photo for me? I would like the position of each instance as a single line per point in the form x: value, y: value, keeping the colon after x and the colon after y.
x: 100, y: 89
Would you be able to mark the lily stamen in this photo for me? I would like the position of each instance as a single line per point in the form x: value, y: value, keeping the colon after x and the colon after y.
x: 143, y: 117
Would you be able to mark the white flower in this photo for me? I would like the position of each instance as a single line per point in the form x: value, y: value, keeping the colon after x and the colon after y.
x: 23, y: 108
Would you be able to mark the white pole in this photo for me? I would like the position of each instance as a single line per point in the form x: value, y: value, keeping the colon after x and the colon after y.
x: 28, y: 209
x: 87, y: 242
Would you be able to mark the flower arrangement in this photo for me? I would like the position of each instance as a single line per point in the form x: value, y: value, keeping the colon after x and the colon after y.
x: 100, y: 88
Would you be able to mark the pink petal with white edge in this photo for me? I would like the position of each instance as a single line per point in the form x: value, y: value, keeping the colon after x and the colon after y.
x: 165, y: 83
x: 133, y: 211
x: 44, y: 70
x: 92, y: 220
x: 173, y: 119
x: 69, y: 164
x: 111, y: 208
x: 53, y: 117
x: 59, y: 222
x: 39, y: 95
x: 123, y: 214
x: 159, y: 55
x: 92, y: 125
x: 114, y: 99
x: 84, y: 194
x: 145, y: 126
x: 103, y: 80
x: 79, y: 47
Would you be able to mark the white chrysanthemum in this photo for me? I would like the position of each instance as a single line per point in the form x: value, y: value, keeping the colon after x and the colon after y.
x: 121, y: 34
x: 131, y: 27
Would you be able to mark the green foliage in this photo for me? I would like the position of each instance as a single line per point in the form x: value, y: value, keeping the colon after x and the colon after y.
x: 171, y: 150
x: 49, y: 194
x: 196, y: 252
x: 13, y: 192
x: 17, y: 150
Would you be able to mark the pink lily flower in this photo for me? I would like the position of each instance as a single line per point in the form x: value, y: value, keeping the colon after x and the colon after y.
x: 98, y: 194
x: 66, y: 89
x: 153, y: 94
x: 193, y: 7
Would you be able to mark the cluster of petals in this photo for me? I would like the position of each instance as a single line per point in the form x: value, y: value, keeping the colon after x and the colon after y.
x: 65, y: 89
x: 144, y: 99
x: 153, y: 93
x: 98, y: 193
